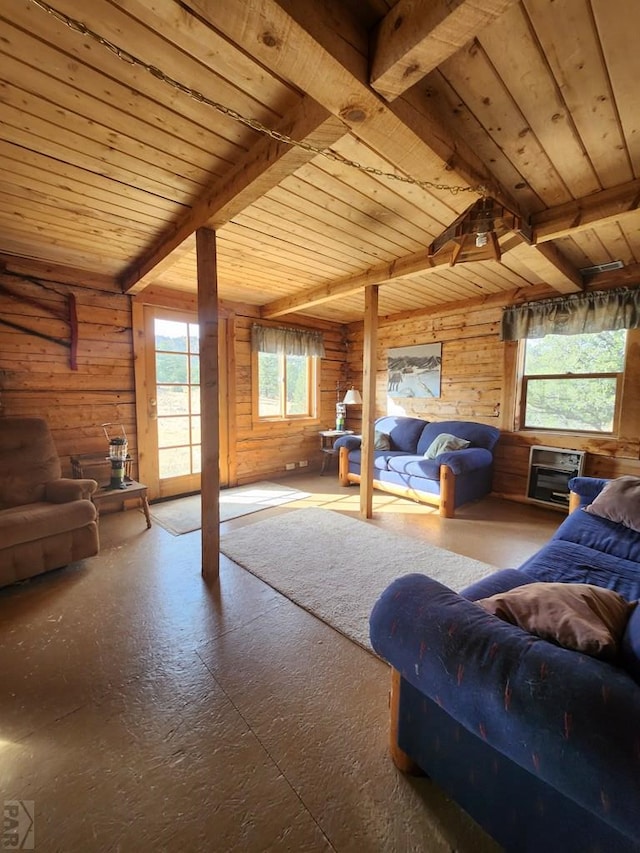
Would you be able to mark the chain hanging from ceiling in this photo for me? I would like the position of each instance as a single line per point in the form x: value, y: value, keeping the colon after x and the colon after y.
x: 254, y: 124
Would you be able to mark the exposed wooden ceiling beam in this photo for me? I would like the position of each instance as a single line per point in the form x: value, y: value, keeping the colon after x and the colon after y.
x: 544, y: 260
x: 585, y: 213
x: 552, y: 267
x: 317, y: 60
x: 264, y: 167
x: 410, y: 265
x: 57, y: 273
x: 414, y: 38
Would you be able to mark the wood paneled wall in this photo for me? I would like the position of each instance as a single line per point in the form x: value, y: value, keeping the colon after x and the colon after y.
x: 477, y: 385
x: 36, y: 378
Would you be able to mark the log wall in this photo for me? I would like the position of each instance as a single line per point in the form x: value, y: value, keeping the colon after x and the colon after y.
x: 478, y: 384
x: 36, y: 379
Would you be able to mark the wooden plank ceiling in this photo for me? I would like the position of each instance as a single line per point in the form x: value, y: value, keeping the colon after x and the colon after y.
x: 108, y: 168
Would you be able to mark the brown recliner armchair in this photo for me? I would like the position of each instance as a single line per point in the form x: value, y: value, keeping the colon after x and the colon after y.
x: 46, y: 521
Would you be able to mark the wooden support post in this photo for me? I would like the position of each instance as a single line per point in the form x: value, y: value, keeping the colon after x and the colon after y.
x: 369, y: 361
x: 447, y: 492
x: 398, y: 756
x: 209, y: 401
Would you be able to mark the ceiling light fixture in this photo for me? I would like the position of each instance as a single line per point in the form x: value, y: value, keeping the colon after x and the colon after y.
x: 475, y: 234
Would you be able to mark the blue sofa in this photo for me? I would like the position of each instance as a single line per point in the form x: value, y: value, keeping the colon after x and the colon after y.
x: 451, y: 479
x: 538, y: 743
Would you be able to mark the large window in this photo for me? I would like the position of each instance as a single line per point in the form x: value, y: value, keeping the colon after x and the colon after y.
x: 285, y: 385
x: 573, y: 382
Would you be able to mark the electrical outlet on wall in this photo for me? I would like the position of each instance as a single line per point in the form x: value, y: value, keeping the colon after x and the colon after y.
x: 289, y: 466
x: 303, y: 463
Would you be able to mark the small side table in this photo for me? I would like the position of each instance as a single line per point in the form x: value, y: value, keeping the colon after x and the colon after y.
x: 131, y: 489
x: 327, y: 437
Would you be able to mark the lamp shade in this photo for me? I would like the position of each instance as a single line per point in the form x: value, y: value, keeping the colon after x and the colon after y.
x: 352, y: 397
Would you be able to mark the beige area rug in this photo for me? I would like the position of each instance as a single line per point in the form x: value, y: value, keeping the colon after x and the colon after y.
x: 185, y: 514
x: 336, y: 567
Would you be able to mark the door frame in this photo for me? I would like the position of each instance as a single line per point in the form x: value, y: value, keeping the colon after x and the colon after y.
x: 144, y: 312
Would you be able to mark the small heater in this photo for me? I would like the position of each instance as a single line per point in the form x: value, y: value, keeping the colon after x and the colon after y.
x: 118, y: 446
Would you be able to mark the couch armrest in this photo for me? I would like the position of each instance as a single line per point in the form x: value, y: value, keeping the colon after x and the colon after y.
x: 567, y: 718
x: 64, y: 490
x: 469, y: 459
x: 586, y: 488
x: 351, y: 442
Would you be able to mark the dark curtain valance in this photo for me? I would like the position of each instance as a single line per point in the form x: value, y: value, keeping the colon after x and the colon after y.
x: 275, y: 339
x: 600, y: 311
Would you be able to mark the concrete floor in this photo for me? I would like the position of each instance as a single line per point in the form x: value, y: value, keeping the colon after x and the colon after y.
x: 141, y: 711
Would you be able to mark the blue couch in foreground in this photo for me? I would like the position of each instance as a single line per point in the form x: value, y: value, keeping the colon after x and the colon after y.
x: 404, y: 466
x: 539, y: 743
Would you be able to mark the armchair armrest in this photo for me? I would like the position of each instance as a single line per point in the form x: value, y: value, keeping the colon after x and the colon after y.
x: 563, y: 716
x: 65, y: 489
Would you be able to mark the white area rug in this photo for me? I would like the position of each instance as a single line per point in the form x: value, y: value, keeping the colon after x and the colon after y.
x: 336, y: 567
x: 185, y: 514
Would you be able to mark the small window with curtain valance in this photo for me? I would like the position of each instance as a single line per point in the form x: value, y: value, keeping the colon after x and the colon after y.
x: 286, y: 367
x: 573, y: 351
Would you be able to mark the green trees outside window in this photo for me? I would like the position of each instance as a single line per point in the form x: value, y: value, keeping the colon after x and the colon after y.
x: 285, y: 385
x: 571, y: 382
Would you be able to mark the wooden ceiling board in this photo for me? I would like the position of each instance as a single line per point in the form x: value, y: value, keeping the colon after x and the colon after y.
x: 63, y: 95
x: 476, y: 82
x: 514, y: 52
x: 442, y: 98
x: 435, y: 208
x: 333, y: 220
x: 571, y: 43
x: 108, y: 169
x: 615, y: 241
x: 373, y: 199
x: 365, y: 215
x: 102, y: 75
x: 619, y: 38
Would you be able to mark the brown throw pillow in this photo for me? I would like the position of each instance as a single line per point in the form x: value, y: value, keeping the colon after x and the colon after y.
x: 577, y: 616
x: 619, y: 501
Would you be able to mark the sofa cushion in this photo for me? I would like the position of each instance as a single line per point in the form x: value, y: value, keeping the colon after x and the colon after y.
x: 479, y: 435
x: 619, y: 501
x: 571, y: 563
x: 403, y: 432
x: 576, y: 616
x: 443, y: 443
x: 415, y: 466
x: 602, y: 535
x: 39, y: 520
x: 381, y: 458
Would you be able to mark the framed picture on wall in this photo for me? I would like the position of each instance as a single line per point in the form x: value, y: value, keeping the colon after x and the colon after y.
x: 414, y: 371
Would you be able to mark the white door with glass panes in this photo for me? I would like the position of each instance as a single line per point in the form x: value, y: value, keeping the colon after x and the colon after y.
x: 173, y: 423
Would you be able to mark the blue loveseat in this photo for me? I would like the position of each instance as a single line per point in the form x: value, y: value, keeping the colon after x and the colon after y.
x: 539, y: 743
x: 452, y: 478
